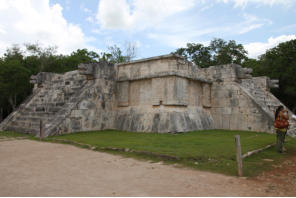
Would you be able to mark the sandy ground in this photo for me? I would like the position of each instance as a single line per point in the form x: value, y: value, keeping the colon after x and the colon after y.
x: 31, y: 168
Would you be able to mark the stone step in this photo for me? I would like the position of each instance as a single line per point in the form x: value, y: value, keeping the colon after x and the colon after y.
x: 27, y: 110
x: 26, y: 122
x: 53, y: 109
x: 269, y: 102
x: 272, y: 104
x: 46, y: 105
x: 43, y: 109
x: 56, y: 81
x: 23, y: 130
x: 260, y: 94
x: 38, y: 114
x: 34, y: 119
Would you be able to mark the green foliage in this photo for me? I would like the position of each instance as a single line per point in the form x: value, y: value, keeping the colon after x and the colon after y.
x: 13, y: 53
x: 217, y: 53
x: 14, y: 82
x: 196, y: 53
x: 212, y: 150
x: 279, y: 63
x: 255, y: 65
x: 225, y: 53
x: 116, y: 55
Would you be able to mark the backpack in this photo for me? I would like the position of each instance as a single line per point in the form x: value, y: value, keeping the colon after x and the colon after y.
x: 281, y: 123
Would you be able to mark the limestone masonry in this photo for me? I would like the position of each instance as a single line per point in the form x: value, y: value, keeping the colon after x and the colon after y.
x: 159, y: 94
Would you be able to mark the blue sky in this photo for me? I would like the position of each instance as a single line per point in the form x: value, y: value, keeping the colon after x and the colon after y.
x: 156, y: 27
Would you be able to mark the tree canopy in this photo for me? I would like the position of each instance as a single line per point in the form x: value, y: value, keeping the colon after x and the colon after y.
x: 217, y: 53
x: 279, y: 63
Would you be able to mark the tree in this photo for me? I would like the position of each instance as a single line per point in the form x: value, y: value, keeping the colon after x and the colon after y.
x: 44, y: 56
x: 85, y: 56
x: 225, y: 53
x: 69, y: 63
x: 280, y: 63
x: 130, y: 51
x: 196, y: 53
x: 14, y: 82
x: 14, y: 53
x: 255, y: 65
x: 217, y: 53
x: 116, y: 55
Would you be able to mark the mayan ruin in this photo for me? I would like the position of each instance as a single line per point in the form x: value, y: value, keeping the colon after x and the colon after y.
x: 158, y: 94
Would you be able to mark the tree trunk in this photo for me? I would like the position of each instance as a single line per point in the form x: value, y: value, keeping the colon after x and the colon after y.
x: 1, y: 114
x: 15, y: 101
x: 12, y: 102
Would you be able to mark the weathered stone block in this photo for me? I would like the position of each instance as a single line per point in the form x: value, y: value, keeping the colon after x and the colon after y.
x: 206, y: 95
x: 176, y: 91
x: 123, y: 93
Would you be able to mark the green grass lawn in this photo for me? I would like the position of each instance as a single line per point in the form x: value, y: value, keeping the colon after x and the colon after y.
x: 11, y: 134
x: 212, y: 150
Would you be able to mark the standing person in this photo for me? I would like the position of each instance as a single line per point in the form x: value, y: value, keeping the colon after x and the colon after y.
x: 281, y: 125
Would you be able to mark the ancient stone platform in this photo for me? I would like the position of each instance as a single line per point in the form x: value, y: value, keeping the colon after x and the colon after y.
x: 159, y: 94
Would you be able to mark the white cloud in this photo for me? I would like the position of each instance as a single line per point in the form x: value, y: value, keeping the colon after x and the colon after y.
x: 90, y: 19
x: 286, y: 28
x: 250, y: 23
x: 250, y: 28
x: 86, y: 10
x: 31, y: 21
x: 243, y: 3
x: 139, y: 14
x: 179, y: 34
x: 258, y: 48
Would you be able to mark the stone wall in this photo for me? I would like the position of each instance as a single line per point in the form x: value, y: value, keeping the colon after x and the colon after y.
x: 232, y: 108
x: 240, y: 101
x: 96, y: 108
x: 161, y: 95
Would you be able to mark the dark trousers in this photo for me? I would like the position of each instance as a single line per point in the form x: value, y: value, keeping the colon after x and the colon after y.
x: 280, y: 140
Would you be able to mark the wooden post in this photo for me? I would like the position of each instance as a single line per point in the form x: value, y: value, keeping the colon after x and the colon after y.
x: 41, y: 130
x: 239, y: 156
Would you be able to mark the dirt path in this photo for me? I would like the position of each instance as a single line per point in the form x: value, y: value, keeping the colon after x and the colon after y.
x: 30, y: 168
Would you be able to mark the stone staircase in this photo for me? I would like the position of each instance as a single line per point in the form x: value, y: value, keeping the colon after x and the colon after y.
x: 268, y: 102
x: 265, y: 100
x: 50, y: 103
